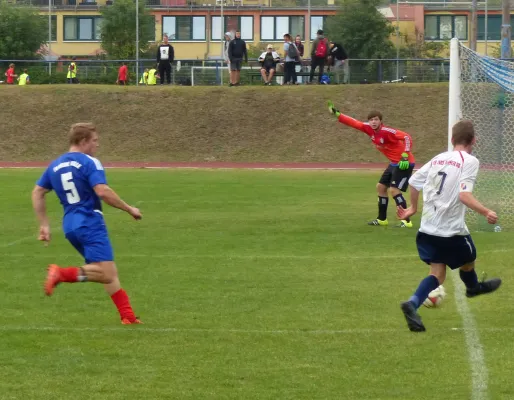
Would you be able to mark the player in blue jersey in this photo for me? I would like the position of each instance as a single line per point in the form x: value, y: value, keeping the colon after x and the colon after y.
x: 78, y: 179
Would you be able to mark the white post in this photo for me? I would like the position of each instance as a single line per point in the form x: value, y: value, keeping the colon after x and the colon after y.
x: 486, y: 33
x: 307, y: 51
x: 222, y: 24
x: 454, y: 110
x: 49, y: 37
x: 397, y: 39
x: 137, y: 42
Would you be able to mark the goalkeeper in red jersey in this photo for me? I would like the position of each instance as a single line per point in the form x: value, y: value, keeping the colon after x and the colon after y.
x: 396, y: 146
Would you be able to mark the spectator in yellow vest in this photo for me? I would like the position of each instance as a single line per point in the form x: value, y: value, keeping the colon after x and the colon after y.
x: 152, y: 76
x: 72, y: 71
x: 24, y: 79
x: 144, y: 77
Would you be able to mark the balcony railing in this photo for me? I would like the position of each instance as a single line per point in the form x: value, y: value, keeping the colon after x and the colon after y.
x: 178, y: 3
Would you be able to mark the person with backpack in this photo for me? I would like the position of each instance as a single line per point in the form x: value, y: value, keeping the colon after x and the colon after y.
x: 292, y: 57
x: 319, y: 54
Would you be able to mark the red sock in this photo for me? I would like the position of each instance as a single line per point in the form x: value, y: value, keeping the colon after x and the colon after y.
x: 69, y: 274
x: 122, y: 302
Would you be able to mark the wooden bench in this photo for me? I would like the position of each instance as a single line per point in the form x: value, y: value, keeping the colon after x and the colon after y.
x: 257, y: 74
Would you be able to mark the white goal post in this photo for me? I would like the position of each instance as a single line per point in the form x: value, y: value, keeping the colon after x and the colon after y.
x: 482, y: 90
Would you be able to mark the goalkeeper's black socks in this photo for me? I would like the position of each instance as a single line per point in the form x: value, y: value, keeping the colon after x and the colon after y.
x: 469, y: 278
x: 425, y: 287
x: 382, y: 208
x: 400, y: 201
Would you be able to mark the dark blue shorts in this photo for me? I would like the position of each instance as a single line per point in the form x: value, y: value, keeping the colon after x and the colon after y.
x: 92, y: 242
x: 454, y: 251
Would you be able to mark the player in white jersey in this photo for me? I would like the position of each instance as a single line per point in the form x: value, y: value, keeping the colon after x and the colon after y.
x: 443, y: 239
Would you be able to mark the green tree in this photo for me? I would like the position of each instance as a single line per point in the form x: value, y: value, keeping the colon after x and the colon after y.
x: 22, y: 32
x: 361, y: 29
x: 119, y: 29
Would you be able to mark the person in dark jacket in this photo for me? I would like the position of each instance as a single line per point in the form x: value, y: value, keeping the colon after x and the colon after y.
x: 336, y: 60
x: 236, y: 52
x: 165, y: 57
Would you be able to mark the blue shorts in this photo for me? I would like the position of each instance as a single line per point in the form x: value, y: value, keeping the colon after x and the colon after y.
x: 454, y: 251
x: 92, y: 242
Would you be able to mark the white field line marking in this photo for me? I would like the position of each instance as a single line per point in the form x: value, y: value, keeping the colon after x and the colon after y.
x: 479, y: 373
x: 261, y: 256
x: 143, y: 329
x: 54, y: 230
x: 24, y: 239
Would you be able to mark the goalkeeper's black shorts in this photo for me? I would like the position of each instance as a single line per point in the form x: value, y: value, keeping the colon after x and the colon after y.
x: 397, y: 178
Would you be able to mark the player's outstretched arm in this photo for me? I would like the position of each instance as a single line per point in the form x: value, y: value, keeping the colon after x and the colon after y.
x: 404, y: 213
x: 110, y: 197
x: 345, y: 119
x: 469, y: 201
x: 39, y: 205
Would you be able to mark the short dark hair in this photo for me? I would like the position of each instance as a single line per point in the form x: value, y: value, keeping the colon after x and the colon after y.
x: 81, y: 131
x: 320, y: 31
x: 287, y: 36
x: 374, y: 113
x: 463, y: 132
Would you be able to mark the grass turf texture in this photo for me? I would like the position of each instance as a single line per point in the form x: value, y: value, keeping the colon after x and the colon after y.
x: 252, y: 285
x: 245, y: 124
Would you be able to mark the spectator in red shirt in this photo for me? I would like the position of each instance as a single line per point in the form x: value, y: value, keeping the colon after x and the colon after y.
x: 10, y: 75
x: 123, y: 75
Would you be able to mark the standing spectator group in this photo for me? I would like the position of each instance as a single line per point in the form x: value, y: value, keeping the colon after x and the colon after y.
x: 329, y: 53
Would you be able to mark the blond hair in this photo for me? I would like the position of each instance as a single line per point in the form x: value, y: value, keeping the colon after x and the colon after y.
x: 81, y: 131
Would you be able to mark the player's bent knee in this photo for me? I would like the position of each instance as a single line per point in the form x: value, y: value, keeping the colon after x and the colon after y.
x: 382, y: 189
x: 468, y: 267
x: 109, y: 271
x: 395, y: 191
x: 439, y: 271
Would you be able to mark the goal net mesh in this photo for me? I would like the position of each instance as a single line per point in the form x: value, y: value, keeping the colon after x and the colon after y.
x: 487, y: 99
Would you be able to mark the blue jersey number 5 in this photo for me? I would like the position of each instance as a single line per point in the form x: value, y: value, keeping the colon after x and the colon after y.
x: 71, y: 190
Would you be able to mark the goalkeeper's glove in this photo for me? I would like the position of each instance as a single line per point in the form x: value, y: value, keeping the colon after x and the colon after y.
x: 404, y: 162
x: 332, y: 109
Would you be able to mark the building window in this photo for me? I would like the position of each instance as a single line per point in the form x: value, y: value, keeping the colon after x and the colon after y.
x: 274, y: 28
x: 184, y: 28
x: 82, y: 28
x: 232, y: 24
x: 494, y: 27
x: 316, y: 24
x: 446, y: 27
x: 54, y: 26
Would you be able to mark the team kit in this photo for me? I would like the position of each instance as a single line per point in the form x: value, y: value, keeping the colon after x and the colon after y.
x: 443, y: 240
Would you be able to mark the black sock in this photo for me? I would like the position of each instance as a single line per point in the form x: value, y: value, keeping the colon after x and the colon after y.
x: 400, y: 201
x: 469, y: 278
x: 382, y: 208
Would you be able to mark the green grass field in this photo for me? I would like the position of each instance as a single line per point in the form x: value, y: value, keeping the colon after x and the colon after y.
x: 251, y: 285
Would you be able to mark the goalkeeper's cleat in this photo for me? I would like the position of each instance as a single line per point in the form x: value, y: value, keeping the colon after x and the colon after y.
x: 412, y: 317
x: 126, y: 321
x: 484, y: 287
x: 378, y: 222
x: 404, y: 224
x: 332, y: 109
x: 53, y: 278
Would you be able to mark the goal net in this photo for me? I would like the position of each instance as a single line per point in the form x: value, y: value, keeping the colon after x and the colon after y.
x: 482, y: 90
